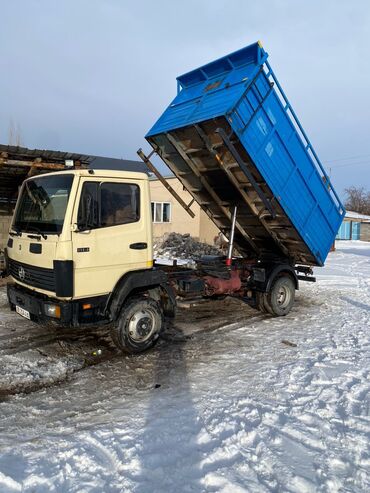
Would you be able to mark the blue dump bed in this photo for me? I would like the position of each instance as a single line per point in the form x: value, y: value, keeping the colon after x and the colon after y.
x: 232, y: 138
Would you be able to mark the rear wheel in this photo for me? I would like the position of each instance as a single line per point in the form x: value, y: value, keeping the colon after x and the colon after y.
x: 280, y: 299
x: 138, y: 326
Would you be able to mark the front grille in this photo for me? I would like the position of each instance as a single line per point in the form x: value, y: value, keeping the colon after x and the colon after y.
x: 38, y: 277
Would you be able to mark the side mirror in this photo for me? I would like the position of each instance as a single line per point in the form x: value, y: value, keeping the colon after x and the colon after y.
x: 75, y: 228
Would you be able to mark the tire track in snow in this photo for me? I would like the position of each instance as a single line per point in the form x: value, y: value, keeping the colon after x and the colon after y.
x: 247, y: 414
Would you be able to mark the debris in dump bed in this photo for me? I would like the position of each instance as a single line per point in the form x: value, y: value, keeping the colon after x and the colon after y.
x: 176, y: 245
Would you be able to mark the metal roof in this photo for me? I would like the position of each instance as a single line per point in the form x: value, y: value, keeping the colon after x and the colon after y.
x: 25, y: 154
x: 18, y: 163
x: 357, y: 215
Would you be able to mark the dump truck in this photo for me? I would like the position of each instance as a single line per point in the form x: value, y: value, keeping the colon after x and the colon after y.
x: 80, y: 245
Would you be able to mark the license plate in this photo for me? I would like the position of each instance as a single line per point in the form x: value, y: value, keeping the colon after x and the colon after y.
x: 23, y: 312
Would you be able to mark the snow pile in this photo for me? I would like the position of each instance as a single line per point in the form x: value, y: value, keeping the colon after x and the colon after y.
x: 176, y: 245
x: 34, y: 356
x: 22, y: 373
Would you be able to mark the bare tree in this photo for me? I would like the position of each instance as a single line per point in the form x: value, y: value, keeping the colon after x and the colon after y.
x: 358, y: 200
x: 14, y: 134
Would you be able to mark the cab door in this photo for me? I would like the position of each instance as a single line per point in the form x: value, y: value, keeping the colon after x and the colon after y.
x: 110, y: 234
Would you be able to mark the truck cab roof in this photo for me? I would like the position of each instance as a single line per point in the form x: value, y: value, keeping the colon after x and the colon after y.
x: 98, y: 173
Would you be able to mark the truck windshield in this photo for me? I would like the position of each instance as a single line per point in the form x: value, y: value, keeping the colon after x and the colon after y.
x: 42, y: 204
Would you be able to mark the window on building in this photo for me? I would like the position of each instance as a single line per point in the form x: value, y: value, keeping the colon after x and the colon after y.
x: 161, y: 212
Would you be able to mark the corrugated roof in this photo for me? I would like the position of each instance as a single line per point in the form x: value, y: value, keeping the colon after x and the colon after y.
x: 25, y: 154
x: 357, y: 215
x: 18, y: 163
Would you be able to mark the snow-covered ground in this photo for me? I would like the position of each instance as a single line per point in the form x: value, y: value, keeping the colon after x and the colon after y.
x: 220, y: 405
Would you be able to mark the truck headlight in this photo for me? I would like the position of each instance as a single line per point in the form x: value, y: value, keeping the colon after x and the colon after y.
x: 52, y: 310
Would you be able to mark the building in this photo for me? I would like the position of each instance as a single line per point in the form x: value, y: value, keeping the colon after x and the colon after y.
x: 355, y: 226
x: 169, y: 216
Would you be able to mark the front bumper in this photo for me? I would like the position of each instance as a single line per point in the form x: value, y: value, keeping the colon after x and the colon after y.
x: 72, y: 313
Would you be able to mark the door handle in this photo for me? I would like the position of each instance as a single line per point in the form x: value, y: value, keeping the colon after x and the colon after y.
x: 139, y: 246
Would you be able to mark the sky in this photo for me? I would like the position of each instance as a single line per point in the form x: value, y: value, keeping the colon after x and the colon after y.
x: 93, y: 76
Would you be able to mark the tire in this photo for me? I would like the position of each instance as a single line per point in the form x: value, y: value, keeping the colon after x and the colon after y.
x: 280, y: 299
x: 138, y: 326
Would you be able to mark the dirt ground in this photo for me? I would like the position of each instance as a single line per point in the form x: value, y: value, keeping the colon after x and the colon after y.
x: 34, y: 356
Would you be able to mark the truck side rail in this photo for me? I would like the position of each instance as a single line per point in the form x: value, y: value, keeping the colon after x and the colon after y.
x: 304, y: 137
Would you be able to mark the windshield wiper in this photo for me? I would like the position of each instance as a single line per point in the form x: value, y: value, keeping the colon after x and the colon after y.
x: 37, y: 230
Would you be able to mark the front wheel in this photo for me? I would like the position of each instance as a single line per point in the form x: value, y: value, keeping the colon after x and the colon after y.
x: 280, y: 299
x: 138, y: 326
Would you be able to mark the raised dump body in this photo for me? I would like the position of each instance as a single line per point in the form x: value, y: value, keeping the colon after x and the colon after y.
x: 232, y: 138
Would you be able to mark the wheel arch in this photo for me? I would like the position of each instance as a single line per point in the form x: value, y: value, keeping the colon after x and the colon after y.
x: 136, y: 282
x: 277, y: 271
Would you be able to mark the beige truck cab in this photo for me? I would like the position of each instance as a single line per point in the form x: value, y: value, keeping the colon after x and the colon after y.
x: 80, y: 245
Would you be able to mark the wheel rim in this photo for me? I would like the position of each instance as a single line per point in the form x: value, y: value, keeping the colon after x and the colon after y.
x: 142, y: 325
x: 283, y: 296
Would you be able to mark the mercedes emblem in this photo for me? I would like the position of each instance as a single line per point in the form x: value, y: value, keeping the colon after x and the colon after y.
x: 21, y: 273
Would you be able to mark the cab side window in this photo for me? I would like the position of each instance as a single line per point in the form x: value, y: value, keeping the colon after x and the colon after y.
x: 119, y: 203
x: 108, y: 204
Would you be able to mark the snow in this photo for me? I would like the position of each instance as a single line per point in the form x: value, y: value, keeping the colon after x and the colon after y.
x: 34, y: 356
x: 356, y: 215
x: 221, y: 404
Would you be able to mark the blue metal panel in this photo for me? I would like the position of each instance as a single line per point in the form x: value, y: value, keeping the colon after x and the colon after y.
x: 280, y: 149
x: 211, y: 90
x: 356, y: 230
x: 344, y: 232
x: 243, y: 88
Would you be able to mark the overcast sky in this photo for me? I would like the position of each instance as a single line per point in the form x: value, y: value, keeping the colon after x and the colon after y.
x: 93, y: 76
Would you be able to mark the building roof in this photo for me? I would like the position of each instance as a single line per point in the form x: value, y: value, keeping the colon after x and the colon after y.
x: 357, y: 215
x: 99, y: 162
x: 166, y: 177
x: 18, y: 163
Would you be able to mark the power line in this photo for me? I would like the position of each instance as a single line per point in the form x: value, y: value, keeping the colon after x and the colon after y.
x: 349, y: 164
x: 348, y: 158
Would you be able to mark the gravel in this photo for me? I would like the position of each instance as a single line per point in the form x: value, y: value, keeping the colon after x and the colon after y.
x: 176, y: 245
